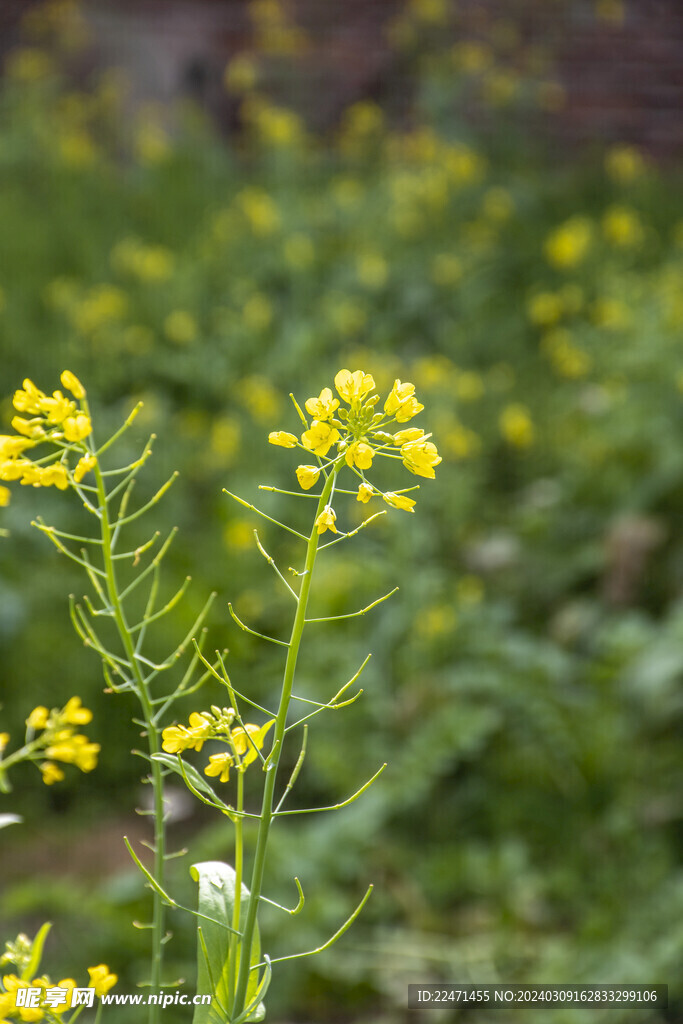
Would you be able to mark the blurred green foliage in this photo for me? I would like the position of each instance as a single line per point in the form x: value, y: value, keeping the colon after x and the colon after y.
x: 525, y: 683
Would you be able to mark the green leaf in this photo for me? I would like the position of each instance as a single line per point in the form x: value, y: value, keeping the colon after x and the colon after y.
x: 36, y: 953
x: 190, y: 774
x: 216, y: 900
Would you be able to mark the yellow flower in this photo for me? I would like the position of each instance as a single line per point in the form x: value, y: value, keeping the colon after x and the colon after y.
x: 7, y: 1005
x: 11, y: 983
x: 399, y: 501
x: 326, y: 520
x: 282, y: 438
x: 147, y: 262
x: 622, y: 226
x: 420, y: 457
x: 610, y: 313
x: 545, y: 309
x: 5, y: 495
x: 372, y: 270
x: 402, y: 437
x: 322, y: 407
x: 624, y: 164
x: 4, y: 740
x: 29, y: 399
x: 101, y: 979
x: 86, y: 753
x: 71, y: 382
x: 249, y: 740
x: 239, y: 534
x: 83, y: 466
x: 69, y: 984
x: 53, y: 475
x: 220, y: 764
x: 75, y: 750
x: 28, y: 64
x: 175, y: 738
x: 199, y: 730
x: 241, y: 73
x: 353, y: 387
x: 516, y: 425
x: 51, y: 773
x: 29, y: 428
x: 11, y: 446
x: 260, y: 210
x: 472, y: 57
x: 365, y: 492
x: 38, y: 718
x: 307, y: 476
x: 101, y: 305
x: 319, y: 438
x: 567, y: 358
x: 77, y: 427
x: 74, y: 713
x: 434, y: 12
x: 359, y: 454
x: 187, y: 737
x: 57, y: 408
x: 180, y: 327
x: 402, y: 402
x: 611, y: 11
x: 568, y: 245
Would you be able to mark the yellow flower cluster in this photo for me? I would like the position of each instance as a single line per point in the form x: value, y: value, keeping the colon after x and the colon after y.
x: 52, y: 1003
x: 244, y: 741
x: 60, y: 741
x: 360, y: 434
x: 54, y: 418
x: 202, y: 727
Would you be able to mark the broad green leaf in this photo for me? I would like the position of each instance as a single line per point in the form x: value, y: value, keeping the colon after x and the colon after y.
x: 216, y: 901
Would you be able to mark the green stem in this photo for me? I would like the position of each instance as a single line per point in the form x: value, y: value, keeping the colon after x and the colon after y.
x: 22, y: 754
x: 152, y: 740
x: 266, y: 815
x: 239, y: 854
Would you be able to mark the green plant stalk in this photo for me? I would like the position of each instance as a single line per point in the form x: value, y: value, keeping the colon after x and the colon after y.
x: 239, y: 870
x: 158, y: 913
x: 266, y: 815
x: 22, y: 754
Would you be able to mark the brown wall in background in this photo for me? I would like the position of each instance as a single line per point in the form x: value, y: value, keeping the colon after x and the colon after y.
x: 622, y: 81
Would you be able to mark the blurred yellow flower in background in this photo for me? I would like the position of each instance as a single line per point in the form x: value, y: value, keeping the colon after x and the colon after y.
x: 622, y: 226
x: 625, y: 164
x: 568, y: 245
x: 516, y: 425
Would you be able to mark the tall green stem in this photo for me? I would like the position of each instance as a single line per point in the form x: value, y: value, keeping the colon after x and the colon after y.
x: 152, y: 740
x: 239, y: 869
x: 266, y: 816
